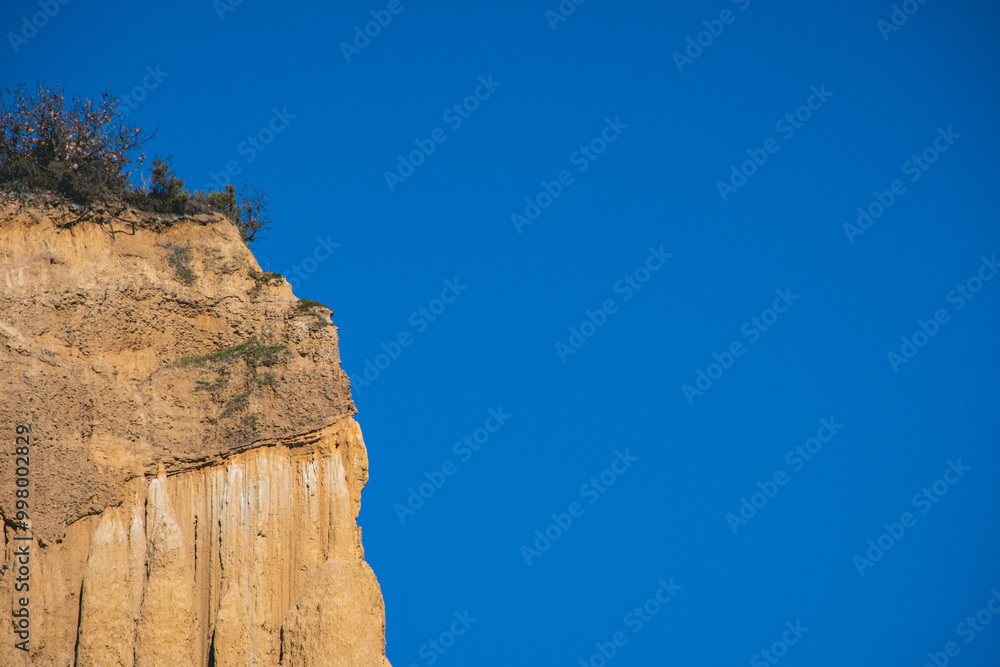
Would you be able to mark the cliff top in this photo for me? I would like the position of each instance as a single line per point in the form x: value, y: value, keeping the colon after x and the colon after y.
x: 130, y: 341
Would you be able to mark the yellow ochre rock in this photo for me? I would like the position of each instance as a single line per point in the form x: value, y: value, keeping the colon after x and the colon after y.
x: 194, y: 468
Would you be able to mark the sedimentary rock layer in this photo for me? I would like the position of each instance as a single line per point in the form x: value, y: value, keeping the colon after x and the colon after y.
x: 195, y: 467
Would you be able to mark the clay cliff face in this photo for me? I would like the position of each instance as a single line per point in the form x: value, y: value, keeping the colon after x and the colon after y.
x: 195, y: 468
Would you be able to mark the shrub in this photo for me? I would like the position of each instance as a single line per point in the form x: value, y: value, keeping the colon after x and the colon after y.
x: 307, y: 307
x: 255, y: 355
x: 166, y: 192
x: 82, y: 149
x: 224, y: 202
x: 311, y: 307
x: 264, y: 279
x: 180, y: 259
x: 218, y: 355
x: 85, y: 151
x: 252, y: 351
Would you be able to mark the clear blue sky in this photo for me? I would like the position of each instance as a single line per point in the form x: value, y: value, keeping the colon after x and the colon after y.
x: 631, y: 143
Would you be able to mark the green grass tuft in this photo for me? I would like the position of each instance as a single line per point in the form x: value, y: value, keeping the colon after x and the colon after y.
x: 265, y: 279
x: 311, y: 307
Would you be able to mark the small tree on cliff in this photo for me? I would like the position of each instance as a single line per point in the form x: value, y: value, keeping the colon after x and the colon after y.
x: 254, y: 212
x: 225, y: 202
x: 250, y: 211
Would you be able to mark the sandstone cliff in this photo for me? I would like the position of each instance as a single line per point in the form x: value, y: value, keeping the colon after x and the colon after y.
x: 195, y: 468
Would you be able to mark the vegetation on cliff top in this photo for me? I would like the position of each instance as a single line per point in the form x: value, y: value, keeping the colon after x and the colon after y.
x: 84, y: 151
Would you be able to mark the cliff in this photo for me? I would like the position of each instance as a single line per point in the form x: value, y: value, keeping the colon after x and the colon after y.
x: 193, y: 468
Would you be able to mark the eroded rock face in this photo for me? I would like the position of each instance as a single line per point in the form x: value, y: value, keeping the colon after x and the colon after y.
x: 320, y: 630
x: 196, y: 470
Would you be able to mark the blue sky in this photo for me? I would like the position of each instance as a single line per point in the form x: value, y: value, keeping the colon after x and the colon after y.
x: 732, y: 168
